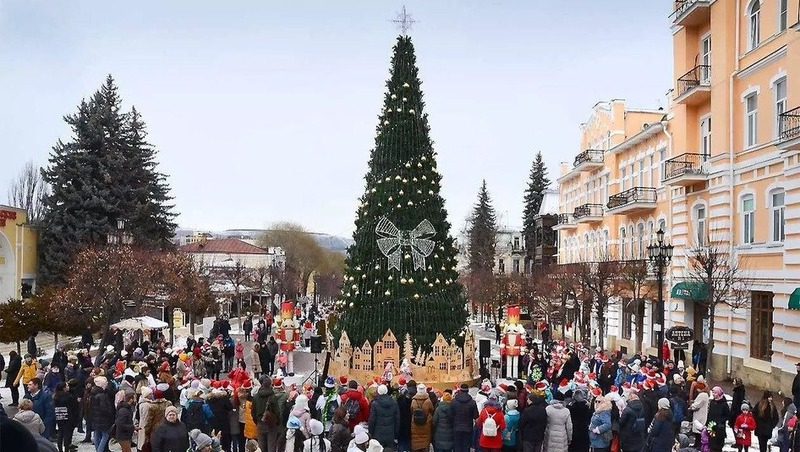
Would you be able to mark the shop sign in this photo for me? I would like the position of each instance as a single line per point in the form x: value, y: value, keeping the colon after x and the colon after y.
x: 680, y: 334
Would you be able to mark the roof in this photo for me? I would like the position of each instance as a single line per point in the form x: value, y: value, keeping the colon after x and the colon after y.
x: 550, y: 202
x: 223, y: 246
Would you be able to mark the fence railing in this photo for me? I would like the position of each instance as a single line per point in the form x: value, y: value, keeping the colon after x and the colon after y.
x: 684, y: 164
x: 632, y: 195
x: 588, y: 210
x: 698, y: 76
x: 589, y: 155
x: 565, y: 218
x: 681, y: 6
x: 789, y: 124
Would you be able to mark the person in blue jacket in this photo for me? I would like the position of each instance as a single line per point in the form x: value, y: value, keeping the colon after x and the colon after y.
x: 600, y: 426
x: 43, y: 406
x: 511, y: 433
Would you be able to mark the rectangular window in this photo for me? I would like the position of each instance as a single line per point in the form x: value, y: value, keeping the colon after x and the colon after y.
x: 778, y: 218
x: 783, y: 14
x: 748, y: 220
x: 501, y: 266
x: 622, y: 243
x: 654, y: 181
x: 662, y: 157
x: 751, y: 120
x: 701, y: 225
x: 641, y: 173
x: 627, y: 318
x: 622, y: 180
x: 780, y: 104
x: 705, y: 73
x: 516, y: 243
x: 761, y: 325
x: 516, y: 265
x: 705, y: 136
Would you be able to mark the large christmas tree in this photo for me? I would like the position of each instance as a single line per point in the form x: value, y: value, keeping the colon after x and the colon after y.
x: 401, y: 270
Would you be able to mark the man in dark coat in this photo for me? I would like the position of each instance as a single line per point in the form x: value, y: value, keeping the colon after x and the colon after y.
x: 464, y: 411
x: 384, y: 418
x: 33, y: 350
x: 581, y: 415
x: 532, y: 424
x: 43, y: 406
x: 632, y: 428
x: 404, y: 407
x: 14, y: 364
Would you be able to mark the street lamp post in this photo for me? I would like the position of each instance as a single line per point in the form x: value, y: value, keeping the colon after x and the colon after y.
x: 660, y: 255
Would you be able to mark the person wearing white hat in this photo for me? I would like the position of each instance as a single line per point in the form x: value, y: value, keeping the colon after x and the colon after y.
x: 316, y: 442
x: 362, y: 442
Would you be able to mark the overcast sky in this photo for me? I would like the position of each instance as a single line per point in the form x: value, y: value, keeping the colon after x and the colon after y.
x: 265, y: 111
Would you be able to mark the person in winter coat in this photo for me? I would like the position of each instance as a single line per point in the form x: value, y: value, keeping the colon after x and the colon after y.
x: 316, y: 442
x: 511, y: 432
x: 660, y: 437
x: 632, y: 427
x: 255, y: 360
x: 685, y: 444
x: 170, y: 436
x: 766, y: 419
x: 66, y: 412
x: 464, y: 411
x: 784, y: 432
x: 600, y: 425
x: 699, y: 410
x: 28, y: 418
x: 532, y: 424
x: 297, y: 426
x: 220, y: 405
x: 421, y: 420
x: 101, y: 412
x: 743, y: 429
x: 151, y: 415
x: 43, y: 406
x: 443, y: 437
x: 384, y: 418
x: 581, y: 415
x: 194, y: 415
x: 238, y: 351
x: 491, y: 439
x: 340, y: 431
x: 247, y: 424
x: 737, y: 401
x: 123, y: 423
x: 14, y: 366
x: 718, y: 413
x: 355, y: 404
x: 558, y: 435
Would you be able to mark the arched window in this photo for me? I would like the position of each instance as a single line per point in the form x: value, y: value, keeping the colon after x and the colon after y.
x: 605, y: 241
x: 632, y: 239
x: 662, y: 226
x: 755, y: 24
x: 622, y: 251
x: 777, y: 207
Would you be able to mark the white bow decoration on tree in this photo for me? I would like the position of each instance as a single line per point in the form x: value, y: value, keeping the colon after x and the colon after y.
x: 392, y: 240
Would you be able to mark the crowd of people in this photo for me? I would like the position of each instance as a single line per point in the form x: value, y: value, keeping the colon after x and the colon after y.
x: 219, y: 394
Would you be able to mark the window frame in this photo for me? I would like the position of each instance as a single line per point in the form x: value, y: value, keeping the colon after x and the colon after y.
x: 640, y: 232
x: 748, y: 219
x: 699, y: 230
x: 754, y: 19
x: 626, y: 319
x: 783, y: 15
x: 781, y: 211
x: 622, y: 243
x: 751, y: 120
x: 762, y: 324
x: 781, y: 103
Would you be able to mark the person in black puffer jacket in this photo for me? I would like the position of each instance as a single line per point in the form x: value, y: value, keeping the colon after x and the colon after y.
x: 101, y: 412
x: 66, y: 409
x: 661, y: 436
x: 463, y: 411
x: 533, y: 423
x: 632, y: 428
x: 123, y: 423
x: 581, y: 415
x: 384, y: 418
x: 221, y: 406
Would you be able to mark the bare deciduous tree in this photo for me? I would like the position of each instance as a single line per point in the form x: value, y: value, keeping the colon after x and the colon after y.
x: 635, y: 280
x: 303, y: 253
x: 716, y: 268
x: 600, y: 281
x: 27, y: 191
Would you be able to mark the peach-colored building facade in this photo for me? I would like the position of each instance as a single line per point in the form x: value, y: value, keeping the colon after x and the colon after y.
x: 731, y: 173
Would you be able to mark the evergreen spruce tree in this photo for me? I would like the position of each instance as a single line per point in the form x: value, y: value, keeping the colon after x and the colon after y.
x: 538, y: 183
x: 401, y: 269
x: 482, y: 234
x: 105, y: 172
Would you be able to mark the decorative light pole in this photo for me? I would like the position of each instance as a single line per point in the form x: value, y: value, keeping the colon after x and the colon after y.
x: 660, y: 255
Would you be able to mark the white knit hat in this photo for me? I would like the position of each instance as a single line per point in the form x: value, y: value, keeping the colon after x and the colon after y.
x: 382, y: 390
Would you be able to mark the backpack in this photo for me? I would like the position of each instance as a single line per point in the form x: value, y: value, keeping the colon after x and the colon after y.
x: 638, y: 425
x: 419, y: 415
x: 489, y: 428
x: 353, y: 408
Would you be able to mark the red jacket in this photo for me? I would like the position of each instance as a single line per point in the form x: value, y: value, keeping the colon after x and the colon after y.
x: 665, y: 355
x: 743, y: 429
x: 492, y: 442
x: 363, y: 412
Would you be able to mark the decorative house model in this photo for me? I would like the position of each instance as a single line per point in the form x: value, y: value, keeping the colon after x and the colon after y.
x: 444, y: 366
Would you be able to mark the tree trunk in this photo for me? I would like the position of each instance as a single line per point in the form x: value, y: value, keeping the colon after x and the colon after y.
x: 55, y: 342
x: 171, y: 322
x: 639, y: 326
x: 191, y: 323
x: 19, y: 348
x: 710, y: 348
x: 601, y: 319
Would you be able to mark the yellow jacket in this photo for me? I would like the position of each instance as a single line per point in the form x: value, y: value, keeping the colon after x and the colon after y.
x: 27, y: 372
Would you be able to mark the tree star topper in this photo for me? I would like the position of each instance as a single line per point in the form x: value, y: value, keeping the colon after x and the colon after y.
x: 392, y: 240
x: 404, y: 21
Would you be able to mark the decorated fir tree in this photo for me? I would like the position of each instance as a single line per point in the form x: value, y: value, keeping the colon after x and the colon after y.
x: 401, y: 270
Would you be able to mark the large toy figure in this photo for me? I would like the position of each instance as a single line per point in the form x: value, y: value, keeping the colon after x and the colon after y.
x: 513, y: 344
x: 288, y: 334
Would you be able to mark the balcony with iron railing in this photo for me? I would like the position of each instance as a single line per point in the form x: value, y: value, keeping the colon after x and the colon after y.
x: 789, y: 130
x: 694, y: 87
x: 686, y: 169
x: 588, y: 213
x: 565, y: 221
x: 691, y: 13
x: 632, y: 200
x: 588, y: 159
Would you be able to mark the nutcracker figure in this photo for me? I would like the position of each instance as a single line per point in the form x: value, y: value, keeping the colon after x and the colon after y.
x: 288, y: 334
x: 512, y: 345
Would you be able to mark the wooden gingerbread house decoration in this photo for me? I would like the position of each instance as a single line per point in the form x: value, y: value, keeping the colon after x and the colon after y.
x: 366, y: 356
x: 387, y: 351
x: 357, y: 359
x: 469, y: 350
x: 440, y: 354
x: 456, y: 357
x: 345, y: 352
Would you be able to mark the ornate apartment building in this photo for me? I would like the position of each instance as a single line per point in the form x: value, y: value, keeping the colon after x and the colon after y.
x: 722, y: 164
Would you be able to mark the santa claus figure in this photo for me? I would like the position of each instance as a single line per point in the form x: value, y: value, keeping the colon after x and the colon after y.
x: 513, y: 344
x: 288, y: 334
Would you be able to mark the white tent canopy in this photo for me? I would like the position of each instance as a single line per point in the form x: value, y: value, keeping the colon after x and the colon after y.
x: 140, y: 323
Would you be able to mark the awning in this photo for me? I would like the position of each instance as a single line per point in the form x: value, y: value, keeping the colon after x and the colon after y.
x: 690, y: 291
x: 794, y: 299
x: 140, y: 323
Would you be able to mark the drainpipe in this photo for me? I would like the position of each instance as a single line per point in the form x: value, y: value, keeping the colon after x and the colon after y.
x: 731, y: 156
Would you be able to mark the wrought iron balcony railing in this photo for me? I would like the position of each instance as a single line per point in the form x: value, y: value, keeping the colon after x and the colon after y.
x: 589, y: 155
x: 698, y: 76
x: 684, y: 164
x: 588, y: 210
x: 789, y: 124
x: 632, y: 195
x: 564, y: 219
